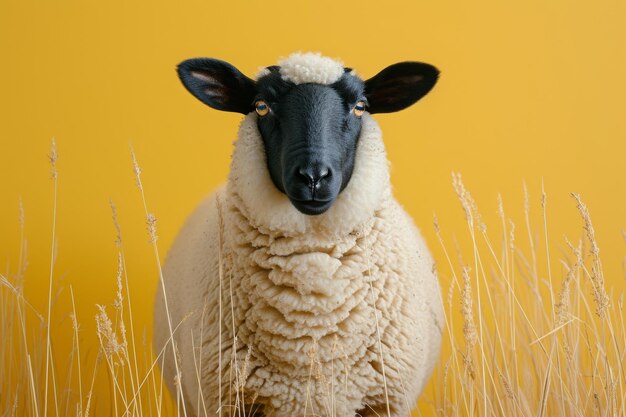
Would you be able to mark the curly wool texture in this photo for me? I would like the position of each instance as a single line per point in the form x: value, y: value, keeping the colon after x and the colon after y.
x: 310, y: 67
x: 303, y: 298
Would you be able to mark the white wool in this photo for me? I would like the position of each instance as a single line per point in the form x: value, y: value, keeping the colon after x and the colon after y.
x: 262, y: 72
x: 309, y: 295
x: 310, y: 67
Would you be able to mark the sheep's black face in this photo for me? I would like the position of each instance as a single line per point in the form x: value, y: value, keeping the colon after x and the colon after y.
x: 310, y: 131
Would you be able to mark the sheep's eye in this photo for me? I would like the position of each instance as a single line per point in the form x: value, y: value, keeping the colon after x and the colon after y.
x: 261, y: 108
x: 359, y: 109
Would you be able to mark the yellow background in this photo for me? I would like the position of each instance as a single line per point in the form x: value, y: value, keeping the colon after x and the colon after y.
x: 529, y: 90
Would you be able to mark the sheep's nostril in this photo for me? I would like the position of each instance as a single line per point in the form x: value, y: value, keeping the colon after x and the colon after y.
x: 314, y: 175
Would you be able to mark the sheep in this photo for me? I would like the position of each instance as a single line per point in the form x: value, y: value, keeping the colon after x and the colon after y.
x: 302, y: 287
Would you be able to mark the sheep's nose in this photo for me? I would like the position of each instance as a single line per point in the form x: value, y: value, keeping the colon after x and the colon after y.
x: 314, y: 175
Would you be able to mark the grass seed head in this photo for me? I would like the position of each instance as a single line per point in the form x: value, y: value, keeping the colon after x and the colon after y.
x: 108, y: 338
x: 53, y: 159
x: 597, y: 277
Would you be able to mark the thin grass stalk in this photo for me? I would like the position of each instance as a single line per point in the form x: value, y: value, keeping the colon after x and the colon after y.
x: 120, y: 244
x: 75, y: 326
x: 32, y: 385
x: 448, y: 318
x: 151, y: 221
x: 53, y: 159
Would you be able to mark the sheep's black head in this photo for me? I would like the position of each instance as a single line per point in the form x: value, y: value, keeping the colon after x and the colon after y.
x: 309, y: 118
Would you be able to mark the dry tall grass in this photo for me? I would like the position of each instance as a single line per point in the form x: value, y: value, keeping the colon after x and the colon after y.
x: 518, y: 343
x: 531, y: 344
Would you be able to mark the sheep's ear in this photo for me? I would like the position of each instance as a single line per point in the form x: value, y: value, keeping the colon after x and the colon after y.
x: 399, y: 85
x: 218, y: 84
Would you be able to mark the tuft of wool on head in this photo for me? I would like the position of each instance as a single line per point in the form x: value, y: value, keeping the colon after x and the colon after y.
x: 262, y: 72
x: 310, y: 67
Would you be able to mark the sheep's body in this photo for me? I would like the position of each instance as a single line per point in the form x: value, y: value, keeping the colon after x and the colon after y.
x: 307, y: 302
